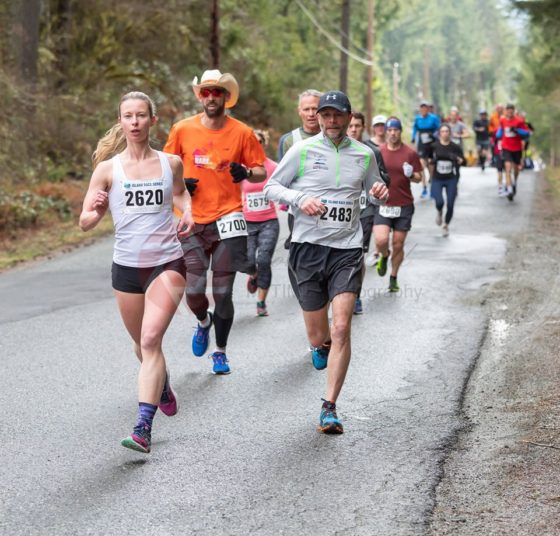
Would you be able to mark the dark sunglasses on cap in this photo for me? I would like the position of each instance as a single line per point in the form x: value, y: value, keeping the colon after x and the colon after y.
x: 214, y: 91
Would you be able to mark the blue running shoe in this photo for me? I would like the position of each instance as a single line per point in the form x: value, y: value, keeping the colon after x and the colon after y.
x: 424, y: 194
x: 220, y: 363
x: 328, y: 420
x: 358, y: 309
x: 320, y: 356
x: 201, y: 338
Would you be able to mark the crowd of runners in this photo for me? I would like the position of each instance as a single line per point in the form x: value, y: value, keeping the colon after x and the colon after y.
x: 209, y: 201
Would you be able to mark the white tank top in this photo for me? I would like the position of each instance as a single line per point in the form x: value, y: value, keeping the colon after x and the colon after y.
x: 145, y: 233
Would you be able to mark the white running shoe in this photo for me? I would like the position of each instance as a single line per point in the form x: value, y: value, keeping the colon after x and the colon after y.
x: 371, y: 259
x: 439, y: 218
x: 445, y: 230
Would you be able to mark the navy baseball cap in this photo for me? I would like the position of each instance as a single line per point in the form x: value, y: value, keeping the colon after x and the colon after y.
x: 335, y: 99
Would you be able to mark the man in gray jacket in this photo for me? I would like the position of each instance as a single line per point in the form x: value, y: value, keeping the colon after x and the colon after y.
x: 322, y: 178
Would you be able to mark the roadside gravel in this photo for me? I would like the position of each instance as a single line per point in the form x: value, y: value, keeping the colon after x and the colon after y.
x: 503, y: 474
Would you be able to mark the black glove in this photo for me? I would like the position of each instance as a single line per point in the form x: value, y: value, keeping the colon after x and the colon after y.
x: 190, y: 185
x: 239, y: 172
x: 514, y: 129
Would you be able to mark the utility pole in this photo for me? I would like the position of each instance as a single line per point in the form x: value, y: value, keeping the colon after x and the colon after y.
x: 396, y: 88
x: 344, y: 41
x: 370, y: 43
x: 426, y: 81
x: 214, y: 34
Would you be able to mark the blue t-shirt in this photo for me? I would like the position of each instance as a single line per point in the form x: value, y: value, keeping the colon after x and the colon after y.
x: 427, y: 128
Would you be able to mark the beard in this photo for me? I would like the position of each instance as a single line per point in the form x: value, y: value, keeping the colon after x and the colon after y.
x: 216, y: 112
x: 335, y: 135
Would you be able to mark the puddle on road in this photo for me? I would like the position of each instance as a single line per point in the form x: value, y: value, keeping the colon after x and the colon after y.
x: 498, y: 331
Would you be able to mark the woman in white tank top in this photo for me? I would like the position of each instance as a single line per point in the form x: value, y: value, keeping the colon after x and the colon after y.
x: 141, y: 186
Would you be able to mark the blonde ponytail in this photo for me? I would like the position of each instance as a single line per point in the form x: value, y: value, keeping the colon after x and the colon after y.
x: 109, y: 145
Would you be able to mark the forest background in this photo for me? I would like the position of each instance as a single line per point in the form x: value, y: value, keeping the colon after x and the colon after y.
x: 65, y: 63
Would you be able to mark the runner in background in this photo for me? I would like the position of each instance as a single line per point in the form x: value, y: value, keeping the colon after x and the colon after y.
x: 493, y: 126
x: 404, y: 167
x: 220, y: 152
x: 355, y: 130
x: 448, y: 156
x: 424, y: 133
x: 480, y: 127
x: 512, y: 132
x: 377, y: 139
x: 263, y: 229
x: 308, y: 101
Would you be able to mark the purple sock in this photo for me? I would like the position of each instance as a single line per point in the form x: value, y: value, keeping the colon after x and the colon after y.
x: 146, y: 414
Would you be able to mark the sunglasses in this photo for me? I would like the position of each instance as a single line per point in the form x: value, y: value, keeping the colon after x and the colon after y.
x: 215, y: 92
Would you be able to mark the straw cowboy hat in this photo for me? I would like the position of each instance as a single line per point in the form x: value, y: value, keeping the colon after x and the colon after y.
x: 214, y: 78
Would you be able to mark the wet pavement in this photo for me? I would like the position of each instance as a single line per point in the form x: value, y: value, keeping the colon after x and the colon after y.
x: 243, y: 455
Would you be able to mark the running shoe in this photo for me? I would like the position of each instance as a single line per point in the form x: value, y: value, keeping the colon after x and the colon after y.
x: 393, y: 285
x: 261, y: 309
x: 510, y: 193
x: 439, y: 218
x: 320, y: 356
x: 168, y: 402
x: 382, y: 264
x: 514, y: 187
x: 445, y: 230
x: 140, y: 440
x: 220, y: 363
x: 500, y: 191
x: 424, y: 194
x: 329, y: 422
x: 371, y: 260
x: 252, y: 285
x: 201, y: 338
x: 358, y: 309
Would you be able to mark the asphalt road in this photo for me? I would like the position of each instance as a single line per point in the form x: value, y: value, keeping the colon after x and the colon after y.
x: 243, y: 455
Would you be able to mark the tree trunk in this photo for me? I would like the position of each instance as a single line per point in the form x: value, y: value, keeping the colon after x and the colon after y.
x: 61, y: 30
x: 344, y: 41
x: 26, y: 39
x: 214, y: 34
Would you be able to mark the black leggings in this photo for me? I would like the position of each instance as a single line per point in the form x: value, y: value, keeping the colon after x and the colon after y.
x: 222, y: 290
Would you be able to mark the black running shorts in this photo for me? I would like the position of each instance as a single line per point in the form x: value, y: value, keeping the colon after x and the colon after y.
x: 512, y: 156
x: 319, y: 273
x: 426, y: 151
x: 137, y: 280
x: 402, y: 223
x: 367, y: 228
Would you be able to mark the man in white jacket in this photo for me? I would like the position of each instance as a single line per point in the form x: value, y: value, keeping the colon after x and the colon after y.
x: 322, y: 178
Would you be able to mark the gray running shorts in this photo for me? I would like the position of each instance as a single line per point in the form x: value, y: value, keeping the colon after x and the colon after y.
x: 318, y: 273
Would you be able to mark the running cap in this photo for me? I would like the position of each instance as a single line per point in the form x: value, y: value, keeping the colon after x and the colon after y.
x: 424, y: 103
x: 214, y: 78
x: 453, y: 109
x: 510, y: 106
x: 482, y: 111
x: 393, y: 122
x: 334, y: 99
x: 378, y: 120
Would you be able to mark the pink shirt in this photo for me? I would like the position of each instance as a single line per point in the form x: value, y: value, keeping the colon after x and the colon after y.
x: 256, y: 207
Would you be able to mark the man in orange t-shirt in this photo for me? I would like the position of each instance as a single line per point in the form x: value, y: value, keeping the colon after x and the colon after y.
x: 218, y: 152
